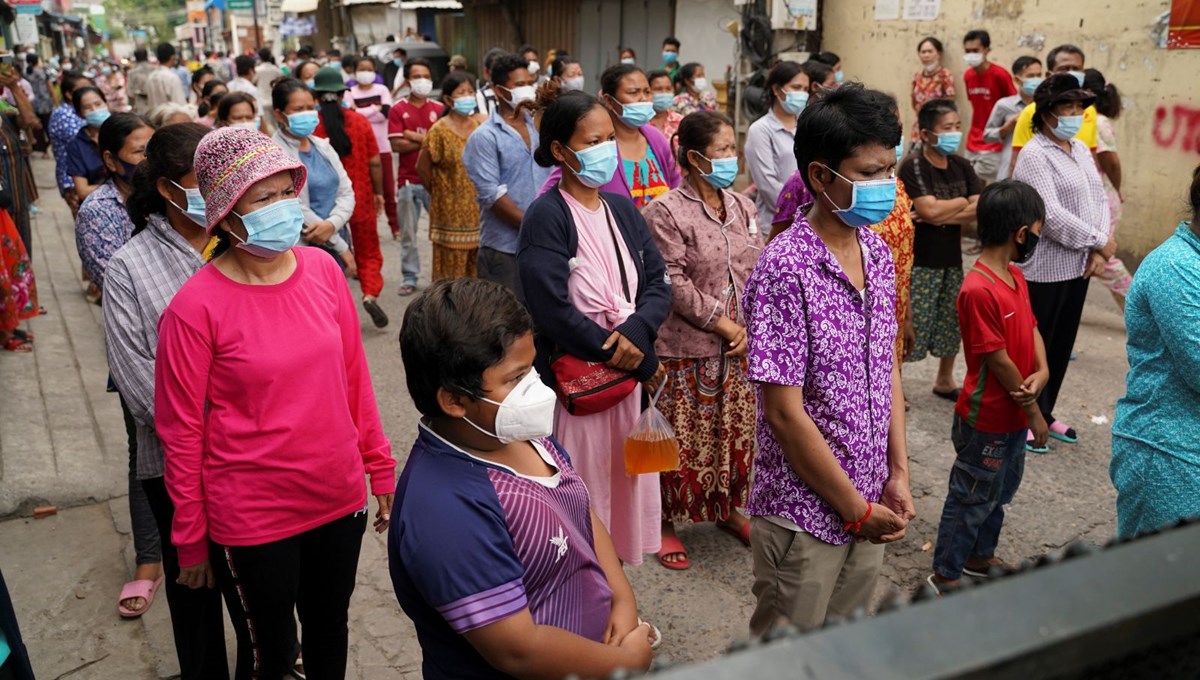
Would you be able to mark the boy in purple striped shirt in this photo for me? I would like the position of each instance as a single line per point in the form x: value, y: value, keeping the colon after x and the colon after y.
x: 494, y: 552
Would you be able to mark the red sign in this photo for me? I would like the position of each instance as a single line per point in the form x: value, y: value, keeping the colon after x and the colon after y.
x: 1183, y: 30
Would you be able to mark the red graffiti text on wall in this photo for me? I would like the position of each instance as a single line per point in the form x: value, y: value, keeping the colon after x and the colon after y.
x: 1177, y: 127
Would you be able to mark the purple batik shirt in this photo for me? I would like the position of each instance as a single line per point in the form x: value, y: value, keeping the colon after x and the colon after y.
x: 808, y: 327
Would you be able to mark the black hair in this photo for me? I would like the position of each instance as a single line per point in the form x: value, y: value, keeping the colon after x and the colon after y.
x: 417, y: 61
x: 781, y: 74
x: 937, y: 44
x: 403, y: 52
x: 1023, y: 63
x: 610, y: 80
x: 244, y: 64
x: 629, y: 50
x: 209, y: 100
x: 672, y: 41
x: 978, y: 34
x: 284, y: 88
x: 164, y: 52
x: 264, y: 54
x: 232, y: 99
x: 828, y: 58
x: 78, y: 94
x: 818, y: 72
x: 1042, y: 99
x: 502, y: 66
x: 830, y: 129
x: 140, y: 54
x: 300, y: 68
x: 1068, y: 48
x: 686, y: 73
x: 527, y: 48
x: 370, y: 60
x: 491, y: 57
x: 348, y: 61
x: 656, y: 74
x: 1108, y: 99
x: 31, y: 60
x: 116, y: 130
x: 334, y: 52
x: 305, y: 52
x: 69, y: 80
x: 330, y: 106
x: 1194, y: 196
x: 561, y: 62
x: 696, y: 132
x: 932, y: 111
x: 561, y: 113
x: 452, y: 333
x: 199, y: 73
x: 452, y: 82
x: 1004, y: 207
x: 169, y: 155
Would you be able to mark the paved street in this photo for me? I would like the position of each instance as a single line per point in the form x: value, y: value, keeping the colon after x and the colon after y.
x: 62, y: 442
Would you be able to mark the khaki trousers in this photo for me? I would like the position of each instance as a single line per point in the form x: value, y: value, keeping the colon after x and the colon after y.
x: 800, y: 579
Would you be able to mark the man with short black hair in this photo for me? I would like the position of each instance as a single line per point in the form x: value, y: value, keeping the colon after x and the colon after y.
x: 670, y: 55
x: 987, y: 83
x: 393, y: 71
x: 136, y: 82
x: 244, y: 82
x: 162, y: 85
x: 266, y: 73
x: 485, y: 96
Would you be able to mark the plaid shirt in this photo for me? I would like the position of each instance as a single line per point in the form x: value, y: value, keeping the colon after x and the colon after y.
x: 142, y: 278
x: 1076, y: 208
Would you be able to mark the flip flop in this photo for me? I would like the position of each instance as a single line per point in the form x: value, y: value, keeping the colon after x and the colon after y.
x: 15, y: 344
x: 1029, y: 444
x: 143, y: 588
x: 671, y: 545
x: 407, y: 289
x: 1063, y: 432
x: 655, y: 634
x: 742, y: 534
x: 952, y: 395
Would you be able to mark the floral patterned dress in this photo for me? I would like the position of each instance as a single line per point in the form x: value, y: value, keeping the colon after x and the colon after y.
x: 685, y: 103
x: 453, y: 212
x: 930, y: 86
x: 18, y: 292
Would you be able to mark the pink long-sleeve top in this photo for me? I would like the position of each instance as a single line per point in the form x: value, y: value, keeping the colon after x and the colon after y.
x: 264, y: 404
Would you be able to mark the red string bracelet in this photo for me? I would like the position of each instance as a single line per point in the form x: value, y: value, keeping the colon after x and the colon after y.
x: 855, y: 527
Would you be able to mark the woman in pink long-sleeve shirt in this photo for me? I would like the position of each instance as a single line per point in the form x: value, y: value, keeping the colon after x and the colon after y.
x: 265, y: 408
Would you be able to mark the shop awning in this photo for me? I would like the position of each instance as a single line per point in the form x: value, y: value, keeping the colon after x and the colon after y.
x: 298, y: 6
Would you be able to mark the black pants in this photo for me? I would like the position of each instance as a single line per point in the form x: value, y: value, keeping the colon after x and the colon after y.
x: 1058, y: 307
x: 265, y: 586
x: 197, y: 619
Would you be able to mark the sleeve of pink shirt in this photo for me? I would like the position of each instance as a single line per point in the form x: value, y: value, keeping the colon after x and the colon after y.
x: 181, y: 376
x: 374, y: 446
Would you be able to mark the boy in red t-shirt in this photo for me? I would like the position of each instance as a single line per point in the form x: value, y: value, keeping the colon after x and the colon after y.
x: 996, y: 415
x: 987, y: 83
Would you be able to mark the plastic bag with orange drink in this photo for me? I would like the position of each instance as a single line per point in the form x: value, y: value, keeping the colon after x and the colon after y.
x: 651, y: 446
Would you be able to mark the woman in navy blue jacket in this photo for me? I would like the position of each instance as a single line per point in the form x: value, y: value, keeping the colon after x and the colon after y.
x: 597, y: 288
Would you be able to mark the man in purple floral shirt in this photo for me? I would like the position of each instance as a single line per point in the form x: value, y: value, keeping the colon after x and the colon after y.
x: 831, y: 475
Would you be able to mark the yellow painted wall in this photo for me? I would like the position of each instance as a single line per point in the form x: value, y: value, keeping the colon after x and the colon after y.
x: 1158, y: 134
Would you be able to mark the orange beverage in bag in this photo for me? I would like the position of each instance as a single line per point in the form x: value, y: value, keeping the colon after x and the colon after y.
x: 651, y: 446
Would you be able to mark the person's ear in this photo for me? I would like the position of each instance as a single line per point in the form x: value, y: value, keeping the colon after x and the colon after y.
x: 1021, y: 235
x: 452, y: 404
x: 164, y: 186
x: 818, y: 177
x: 106, y: 157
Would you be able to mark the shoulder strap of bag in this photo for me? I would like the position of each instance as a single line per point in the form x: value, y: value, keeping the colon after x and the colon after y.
x: 616, y: 244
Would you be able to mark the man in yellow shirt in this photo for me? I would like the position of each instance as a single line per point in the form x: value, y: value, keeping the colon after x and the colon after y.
x: 1062, y: 59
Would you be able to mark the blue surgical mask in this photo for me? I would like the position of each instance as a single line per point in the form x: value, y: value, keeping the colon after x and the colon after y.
x: 871, y: 201
x: 255, y: 124
x: 670, y: 57
x: 310, y: 83
x: 398, y: 61
x: 636, y: 114
x: 839, y: 76
x: 1030, y: 85
x: 629, y: 60
x: 900, y: 150
x: 947, y: 142
x: 1079, y: 75
x: 724, y: 171
x: 1068, y: 127
x: 302, y: 123
x: 96, y: 118
x: 465, y: 105
x: 272, y: 230
x: 195, y: 205
x: 794, y: 102
x: 596, y: 164
x: 663, y: 101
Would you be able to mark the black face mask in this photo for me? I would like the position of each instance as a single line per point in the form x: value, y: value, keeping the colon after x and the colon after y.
x: 1025, y: 250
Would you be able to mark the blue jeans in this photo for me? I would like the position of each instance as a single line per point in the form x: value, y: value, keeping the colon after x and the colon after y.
x: 409, y: 201
x: 984, y: 479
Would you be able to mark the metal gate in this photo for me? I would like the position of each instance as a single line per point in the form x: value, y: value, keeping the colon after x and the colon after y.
x: 607, y: 26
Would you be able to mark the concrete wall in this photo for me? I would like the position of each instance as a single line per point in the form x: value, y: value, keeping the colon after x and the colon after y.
x: 1159, y: 132
x: 699, y: 26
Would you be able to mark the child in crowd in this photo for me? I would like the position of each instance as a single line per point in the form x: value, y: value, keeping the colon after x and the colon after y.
x: 944, y: 190
x: 1006, y: 370
x: 494, y: 551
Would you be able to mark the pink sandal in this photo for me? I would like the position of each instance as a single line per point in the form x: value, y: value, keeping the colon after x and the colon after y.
x: 143, y: 588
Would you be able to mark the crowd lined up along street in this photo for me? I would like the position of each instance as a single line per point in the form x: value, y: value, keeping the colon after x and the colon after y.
x: 603, y: 342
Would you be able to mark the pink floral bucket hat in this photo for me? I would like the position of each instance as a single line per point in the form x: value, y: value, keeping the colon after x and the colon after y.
x: 230, y: 160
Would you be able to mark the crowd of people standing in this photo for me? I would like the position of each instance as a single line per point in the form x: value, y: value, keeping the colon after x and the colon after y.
x: 591, y: 259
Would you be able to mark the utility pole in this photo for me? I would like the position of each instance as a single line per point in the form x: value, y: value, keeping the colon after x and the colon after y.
x: 257, y: 35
